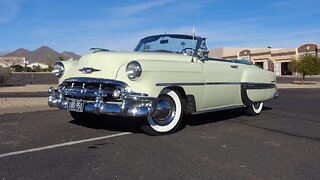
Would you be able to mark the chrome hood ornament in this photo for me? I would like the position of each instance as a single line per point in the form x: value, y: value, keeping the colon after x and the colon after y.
x: 88, y: 70
x: 95, y: 50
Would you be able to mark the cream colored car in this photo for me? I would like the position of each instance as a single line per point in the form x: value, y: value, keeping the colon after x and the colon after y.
x: 165, y: 77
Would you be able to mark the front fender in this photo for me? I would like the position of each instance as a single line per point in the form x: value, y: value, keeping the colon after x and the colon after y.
x: 165, y: 72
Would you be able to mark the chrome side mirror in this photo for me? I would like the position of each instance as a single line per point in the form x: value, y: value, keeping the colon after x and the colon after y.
x: 203, y: 53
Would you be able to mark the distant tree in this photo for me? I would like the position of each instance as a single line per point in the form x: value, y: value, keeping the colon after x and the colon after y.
x: 36, y: 69
x: 16, y: 68
x: 318, y: 64
x: 50, y: 68
x: 61, y: 58
x: 305, y: 65
x: 27, y: 69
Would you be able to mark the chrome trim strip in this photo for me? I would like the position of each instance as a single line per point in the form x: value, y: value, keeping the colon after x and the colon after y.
x: 180, y: 84
x: 260, y: 86
x: 276, y: 93
x: 222, y: 83
x: 250, y: 85
x: 218, y: 109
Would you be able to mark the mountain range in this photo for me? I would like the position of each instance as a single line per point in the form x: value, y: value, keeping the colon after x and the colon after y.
x: 43, y: 54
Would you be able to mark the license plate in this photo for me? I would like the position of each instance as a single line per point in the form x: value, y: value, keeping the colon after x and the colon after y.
x: 75, y: 105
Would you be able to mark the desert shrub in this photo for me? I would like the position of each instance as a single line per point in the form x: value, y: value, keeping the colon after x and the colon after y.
x: 27, y: 69
x: 17, y: 68
x: 4, y: 76
x: 50, y: 68
x: 306, y: 65
x: 36, y: 69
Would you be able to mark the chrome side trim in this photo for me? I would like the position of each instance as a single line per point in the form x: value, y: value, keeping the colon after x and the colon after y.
x: 222, y: 83
x: 250, y: 85
x: 276, y: 93
x: 218, y: 109
x: 260, y: 86
x: 180, y: 84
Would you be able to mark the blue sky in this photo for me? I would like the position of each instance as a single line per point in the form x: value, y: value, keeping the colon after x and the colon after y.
x: 75, y: 25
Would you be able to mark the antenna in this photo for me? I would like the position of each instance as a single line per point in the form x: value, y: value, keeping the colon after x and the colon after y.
x: 193, y: 34
x: 193, y: 37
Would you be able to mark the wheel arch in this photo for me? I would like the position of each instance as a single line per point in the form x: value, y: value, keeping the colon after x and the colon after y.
x: 187, y: 100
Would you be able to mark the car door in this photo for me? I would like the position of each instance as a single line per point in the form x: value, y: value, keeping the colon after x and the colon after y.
x: 222, y: 84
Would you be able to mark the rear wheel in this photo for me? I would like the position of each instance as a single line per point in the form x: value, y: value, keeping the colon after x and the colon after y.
x: 254, y: 109
x: 168, y: 117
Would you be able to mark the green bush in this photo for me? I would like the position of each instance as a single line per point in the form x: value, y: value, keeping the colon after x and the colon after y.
x: 306, y: 65
x: 17, y: 68
x: 4, y: 76
x: 27, y: 69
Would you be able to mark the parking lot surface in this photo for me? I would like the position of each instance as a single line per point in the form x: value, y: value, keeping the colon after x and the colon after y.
x: 282, y: 143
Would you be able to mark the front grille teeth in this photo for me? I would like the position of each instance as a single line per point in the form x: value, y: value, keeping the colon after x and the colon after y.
x: 88, y: 90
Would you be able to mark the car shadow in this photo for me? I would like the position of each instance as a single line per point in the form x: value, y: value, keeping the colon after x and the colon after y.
x: 212, y: 117
x: 112, y: 123
x: 125, y: 124
x: 217, y: 116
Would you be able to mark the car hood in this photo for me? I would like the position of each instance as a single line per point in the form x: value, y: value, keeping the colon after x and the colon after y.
x: 107, y: 64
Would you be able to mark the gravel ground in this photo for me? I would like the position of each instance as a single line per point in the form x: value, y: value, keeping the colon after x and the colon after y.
x: 28, y: 88
x: 22, y: 105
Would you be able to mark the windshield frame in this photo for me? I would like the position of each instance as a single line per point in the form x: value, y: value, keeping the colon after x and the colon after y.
x: 180, y: 36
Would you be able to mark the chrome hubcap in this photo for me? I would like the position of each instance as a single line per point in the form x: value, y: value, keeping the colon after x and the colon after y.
x: 163, y: 109
x: 256, y: 105
x: 165, y: 112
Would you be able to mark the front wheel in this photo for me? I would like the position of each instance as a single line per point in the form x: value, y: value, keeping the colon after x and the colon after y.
x: 254, y: 109
x: 168, y: 117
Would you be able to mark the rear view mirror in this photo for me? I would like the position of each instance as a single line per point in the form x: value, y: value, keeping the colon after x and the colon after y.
x: 203, y: 53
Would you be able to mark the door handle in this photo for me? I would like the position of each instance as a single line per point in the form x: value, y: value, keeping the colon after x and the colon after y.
x: 235, y: 66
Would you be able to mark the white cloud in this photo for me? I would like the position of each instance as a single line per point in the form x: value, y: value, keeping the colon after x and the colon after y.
x: 8, y: 10
x: 129, y: 10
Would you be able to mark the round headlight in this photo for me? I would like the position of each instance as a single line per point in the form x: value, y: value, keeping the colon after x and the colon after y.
x: 58, y: 69
x: 134, y: 70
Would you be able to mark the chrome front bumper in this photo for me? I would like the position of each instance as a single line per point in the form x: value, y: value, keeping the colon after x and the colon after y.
x: 132, y: 104
x: 276, y: 94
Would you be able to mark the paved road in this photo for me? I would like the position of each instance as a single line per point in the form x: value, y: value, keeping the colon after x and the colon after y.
x: 22, y: 94
x: 282, y: 143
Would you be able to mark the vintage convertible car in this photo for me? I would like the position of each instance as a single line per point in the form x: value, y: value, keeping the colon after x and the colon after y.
x: 165, y: 77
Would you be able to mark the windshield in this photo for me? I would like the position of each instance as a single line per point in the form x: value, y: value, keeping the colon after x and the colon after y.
x: 180, y: 44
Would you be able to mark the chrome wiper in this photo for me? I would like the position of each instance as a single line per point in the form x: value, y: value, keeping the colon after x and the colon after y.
x: 94, y: 50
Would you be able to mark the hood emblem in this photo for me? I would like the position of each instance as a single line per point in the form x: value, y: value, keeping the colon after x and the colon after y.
x: 88, y: 70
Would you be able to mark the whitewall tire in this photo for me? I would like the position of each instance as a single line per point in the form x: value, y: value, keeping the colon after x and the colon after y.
x: 254, y: 109
x: 168, y: 117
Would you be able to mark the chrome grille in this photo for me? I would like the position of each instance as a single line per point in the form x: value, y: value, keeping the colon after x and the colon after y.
x: 88, y: 90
